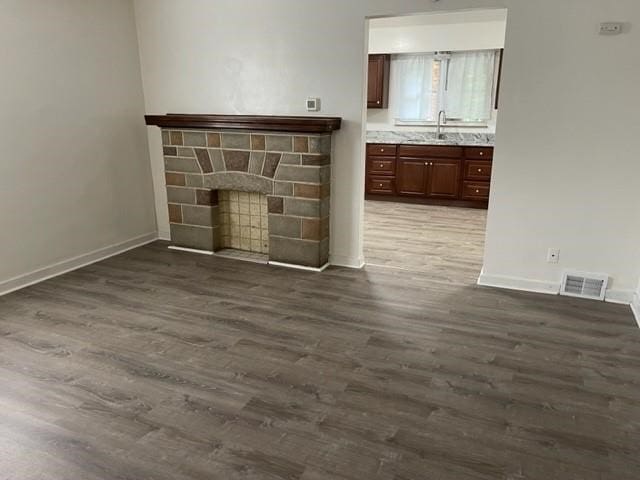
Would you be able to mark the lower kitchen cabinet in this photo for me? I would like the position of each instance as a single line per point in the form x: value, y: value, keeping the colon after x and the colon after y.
x: 443, y: 175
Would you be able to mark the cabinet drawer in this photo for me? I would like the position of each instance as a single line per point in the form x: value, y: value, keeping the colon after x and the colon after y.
x: 477, y: 170
x: 381, y: 149
x: 475, y: 191
x: 381, y: 185
x: 381, y: 165
x: 480, y: 153
x: 430, y: 151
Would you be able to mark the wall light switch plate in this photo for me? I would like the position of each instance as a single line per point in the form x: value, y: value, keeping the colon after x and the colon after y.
x: 313, y: 104
x: 610, y: 28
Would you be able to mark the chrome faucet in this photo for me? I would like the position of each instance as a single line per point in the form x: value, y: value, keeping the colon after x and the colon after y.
x: 442, y: 119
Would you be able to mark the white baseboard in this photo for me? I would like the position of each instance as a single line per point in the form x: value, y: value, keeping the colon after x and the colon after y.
x: 624, y: 297
x: 300, y: 267
x: 65, y: 266
x: 635, y: 306
x: 520, y: 284
x: 164, y: 235
x: 345, y: 261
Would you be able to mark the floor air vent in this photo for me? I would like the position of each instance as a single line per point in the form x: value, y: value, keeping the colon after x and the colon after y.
x: 584, y: 285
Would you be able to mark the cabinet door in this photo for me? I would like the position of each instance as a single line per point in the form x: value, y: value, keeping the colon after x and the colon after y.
x: 378, y: 83
x: 444, y: 179
x: 411, y: 177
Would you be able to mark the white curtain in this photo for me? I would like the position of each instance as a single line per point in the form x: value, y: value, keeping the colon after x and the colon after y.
x: 412, y: 86
x: 470, y: 86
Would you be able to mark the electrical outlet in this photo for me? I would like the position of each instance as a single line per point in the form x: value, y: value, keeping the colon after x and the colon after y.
x: 553, y: 255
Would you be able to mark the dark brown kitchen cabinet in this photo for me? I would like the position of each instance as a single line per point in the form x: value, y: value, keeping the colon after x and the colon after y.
x: 412, y: 177
x: 443, y: 179
x: 433, y: 174
x: 378, y: 83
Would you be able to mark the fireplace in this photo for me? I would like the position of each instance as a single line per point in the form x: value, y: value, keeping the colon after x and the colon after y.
x: 264, y: 188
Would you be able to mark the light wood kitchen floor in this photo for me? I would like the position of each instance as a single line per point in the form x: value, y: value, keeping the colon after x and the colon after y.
x: 162, y: 365
x: 445, y: 242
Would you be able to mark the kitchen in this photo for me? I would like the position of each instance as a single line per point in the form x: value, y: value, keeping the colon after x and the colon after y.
x: 432, y: 108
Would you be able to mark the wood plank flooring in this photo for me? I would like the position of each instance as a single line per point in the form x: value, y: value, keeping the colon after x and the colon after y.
x: 445, y: 242
x: 168, y: 365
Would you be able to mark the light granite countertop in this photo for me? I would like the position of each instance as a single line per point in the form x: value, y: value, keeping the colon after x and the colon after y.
x: 428, y: 138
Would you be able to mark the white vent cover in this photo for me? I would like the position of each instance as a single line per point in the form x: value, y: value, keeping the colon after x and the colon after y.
x: 584, y: 285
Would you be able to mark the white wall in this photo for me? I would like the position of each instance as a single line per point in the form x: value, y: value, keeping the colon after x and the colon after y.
x: 439, y: 33
x: 567, y: 173
x: 74, y: 162
x: 559, y: 181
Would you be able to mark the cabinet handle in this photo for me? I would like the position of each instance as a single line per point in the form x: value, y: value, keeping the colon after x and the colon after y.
x: 378, y: 102
x: 426, y: 164
x: 380, y: 185
x: 382, y: 149
x: 477, y: 191
x: 479, y: 170
x: 482, y: 154
x: 382, y: 165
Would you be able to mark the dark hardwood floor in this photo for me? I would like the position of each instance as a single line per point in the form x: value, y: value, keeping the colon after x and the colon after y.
x: 166, y: 365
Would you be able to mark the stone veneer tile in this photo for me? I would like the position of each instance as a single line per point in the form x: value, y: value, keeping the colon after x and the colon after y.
x: 291, y: 159
x: 236, y: 141
x: 236, y: 160
x: 320, y: 144
x: 306, y: 190
x: 301, y: 207
x: 199, y: 215
x: 325, y: 174
x: 271, y: 164
x: 294, y: 251
x: 279, y: 143
x: 284, y: 189
x: 186, y: 152
x: 310, y: 229
x: 201, y: 238
x: 325, y: 207
x: 176, y: 138
x: 284, y: 226
x: 175, y: 179
x: 166, y: 138
x: 324, y: 251
x: 256, y: 162
x: 316, y: 160
x: 206, y: 197
x: 275, y: 204
x: 293, y: 173
x: 213, y: 139
x: 184, y: 165
x: 175, y: 213
x: 193, y: 180
x: 170, y: 151
x: 257, y: 142
x: 181, y: 195
x: 325, y: 226
x: 301, y: 144
x: 195, y: 139
x: 239, y: 181
x: 202, y: 154
x: 216, y: 160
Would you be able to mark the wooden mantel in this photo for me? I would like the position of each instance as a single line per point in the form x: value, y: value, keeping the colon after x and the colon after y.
x: 299, y: 124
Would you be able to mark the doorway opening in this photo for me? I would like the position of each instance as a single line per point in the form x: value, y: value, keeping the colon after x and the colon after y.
x: 433, y: 90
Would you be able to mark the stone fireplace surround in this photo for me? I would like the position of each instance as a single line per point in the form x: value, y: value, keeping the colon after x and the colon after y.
x: 288, y: 159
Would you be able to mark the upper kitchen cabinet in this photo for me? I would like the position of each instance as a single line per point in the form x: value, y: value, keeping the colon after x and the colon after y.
x: 378, y: 87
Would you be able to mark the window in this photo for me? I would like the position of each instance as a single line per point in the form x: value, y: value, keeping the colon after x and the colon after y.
x: 459, y: 83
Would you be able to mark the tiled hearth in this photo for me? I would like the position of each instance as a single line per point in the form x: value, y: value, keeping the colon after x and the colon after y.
x: 290, y: 171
